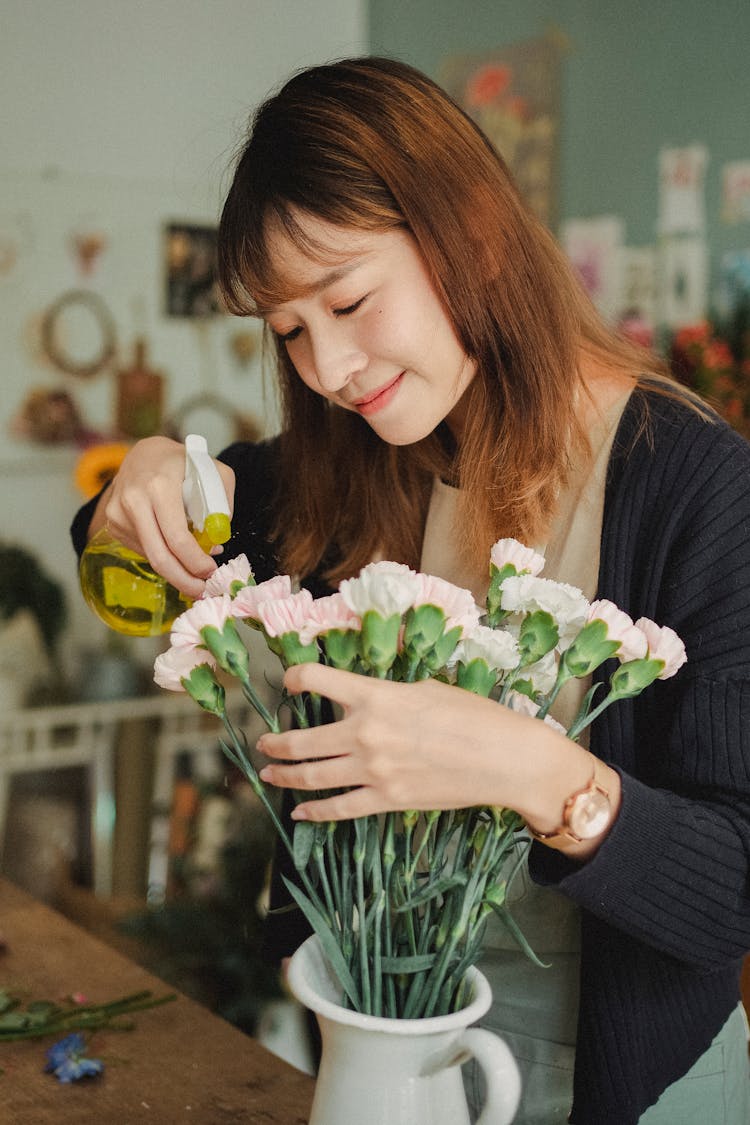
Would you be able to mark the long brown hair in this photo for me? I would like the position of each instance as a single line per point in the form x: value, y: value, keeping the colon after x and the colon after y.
x: 373, y: 144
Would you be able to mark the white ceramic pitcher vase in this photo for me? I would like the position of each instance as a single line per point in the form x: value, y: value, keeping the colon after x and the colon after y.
x: 380, y: 1071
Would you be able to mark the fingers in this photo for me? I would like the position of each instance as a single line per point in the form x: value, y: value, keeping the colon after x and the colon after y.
x: 346, y: 688
x: 343, y: 806
x: 327, y: 773
x: 144, y: 509
x: 301, y: 745
x: 171, y: 551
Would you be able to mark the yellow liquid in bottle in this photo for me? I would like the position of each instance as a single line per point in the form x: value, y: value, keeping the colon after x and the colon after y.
x: 122, y: 589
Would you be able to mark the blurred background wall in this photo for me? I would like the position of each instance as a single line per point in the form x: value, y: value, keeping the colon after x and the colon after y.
x: 635, y: 77
x: 118, y: 121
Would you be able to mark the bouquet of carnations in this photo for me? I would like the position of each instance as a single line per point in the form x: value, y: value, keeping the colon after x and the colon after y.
x: 400, y: 901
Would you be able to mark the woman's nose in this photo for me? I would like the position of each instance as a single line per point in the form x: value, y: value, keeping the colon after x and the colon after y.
x: 336, y: 359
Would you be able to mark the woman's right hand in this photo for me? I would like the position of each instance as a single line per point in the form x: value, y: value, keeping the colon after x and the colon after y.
x: 143, y: 509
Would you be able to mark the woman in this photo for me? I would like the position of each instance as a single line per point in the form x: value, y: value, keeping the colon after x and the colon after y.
x: 445, y: 382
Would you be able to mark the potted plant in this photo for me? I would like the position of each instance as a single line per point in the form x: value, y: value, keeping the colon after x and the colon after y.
x: 32, y: 617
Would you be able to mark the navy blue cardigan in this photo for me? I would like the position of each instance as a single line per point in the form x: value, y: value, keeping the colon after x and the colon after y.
x: 666, y: 900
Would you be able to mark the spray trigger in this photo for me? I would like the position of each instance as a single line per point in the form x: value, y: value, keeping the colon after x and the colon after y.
x: 203, y: 495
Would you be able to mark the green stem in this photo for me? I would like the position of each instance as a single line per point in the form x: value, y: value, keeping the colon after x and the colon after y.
x: 90, y: 1017
x: 248, y: 769
x: 580, y: 724
x: 360, y: 828
x: 563, y: 675
x: 389, y: 860
x: 271, y: 721
x: 319, y: 854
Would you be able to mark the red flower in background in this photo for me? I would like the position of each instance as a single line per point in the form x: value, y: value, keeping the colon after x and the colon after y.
x: 704, y: 360
x: 487, y: 84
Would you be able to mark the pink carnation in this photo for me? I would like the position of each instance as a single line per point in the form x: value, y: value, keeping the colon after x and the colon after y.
x: 326, y: 614
x: 285, y: 615
x: 510, y: 551
x: 247, y: 601
x: 663, y: 644
x: 186, y: 630
x: 172, y: 666
x: 236, y: 570
x: 457, y: 604
x: 620, y: 627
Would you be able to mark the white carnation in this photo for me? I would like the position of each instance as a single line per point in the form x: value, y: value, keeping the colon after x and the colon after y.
x: 525, y: 593
x: 495, y: 646
x: 524, y: 559
x: 386, y: 588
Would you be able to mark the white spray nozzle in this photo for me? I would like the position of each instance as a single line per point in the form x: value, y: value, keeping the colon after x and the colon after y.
x: 203, y: 495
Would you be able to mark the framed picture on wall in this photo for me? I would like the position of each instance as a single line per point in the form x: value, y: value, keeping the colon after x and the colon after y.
x: 513, y: 94
x: 190, y: 271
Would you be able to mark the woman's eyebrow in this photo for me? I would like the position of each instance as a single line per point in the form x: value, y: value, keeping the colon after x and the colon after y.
x: 317, y: 286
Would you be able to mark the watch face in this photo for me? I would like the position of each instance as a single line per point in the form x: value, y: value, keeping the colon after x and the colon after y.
x: 589, y: 814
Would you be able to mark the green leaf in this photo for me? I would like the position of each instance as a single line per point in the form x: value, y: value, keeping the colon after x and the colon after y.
x: 513, y: 928
x: 327, y: 940
x: 415, y: 964
x: 7, y: 1001
x: 14, y: 1021
x: 372, y: 846
x: 432, y: 890
x: 303, y: 840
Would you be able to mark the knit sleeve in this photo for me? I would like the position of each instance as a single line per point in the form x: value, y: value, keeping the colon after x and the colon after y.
x: 674, y: 872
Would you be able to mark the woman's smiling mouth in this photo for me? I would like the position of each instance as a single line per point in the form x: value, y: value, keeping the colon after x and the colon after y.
x: 372, y: 403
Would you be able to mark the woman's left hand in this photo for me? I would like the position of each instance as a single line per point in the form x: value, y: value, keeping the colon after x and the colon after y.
x: 427, y: 745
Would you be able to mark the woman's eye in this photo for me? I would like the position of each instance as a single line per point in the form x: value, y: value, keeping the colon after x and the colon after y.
x: 348, y: 309
x: 287, y: 337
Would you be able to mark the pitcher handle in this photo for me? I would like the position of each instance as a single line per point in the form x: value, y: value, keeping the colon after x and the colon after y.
x: 502, y: 1078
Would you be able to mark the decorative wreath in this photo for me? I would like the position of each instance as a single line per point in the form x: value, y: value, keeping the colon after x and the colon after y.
x: 53, y: 341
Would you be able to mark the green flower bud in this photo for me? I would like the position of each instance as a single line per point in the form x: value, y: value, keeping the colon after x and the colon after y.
x: 228, y: 649
x: 631, y: 678
x: 292, y: 652
x: 202, y: 686
x: 539, y: 634
x: 442, y: 650
x: 495, y: 593
x: 380, y: 640
x: 342, y: 648
x: 495, y: 893
x: 476, y: 676
x: 590, y: 649
x: 423, y: 628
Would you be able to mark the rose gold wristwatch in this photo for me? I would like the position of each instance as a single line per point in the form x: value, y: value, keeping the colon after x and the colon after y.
x: 586, y: 814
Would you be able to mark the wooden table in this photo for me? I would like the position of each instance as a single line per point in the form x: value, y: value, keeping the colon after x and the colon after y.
x: 181, y: 1063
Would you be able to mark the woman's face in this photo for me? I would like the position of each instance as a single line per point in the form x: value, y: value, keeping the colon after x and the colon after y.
x: 368, y: 332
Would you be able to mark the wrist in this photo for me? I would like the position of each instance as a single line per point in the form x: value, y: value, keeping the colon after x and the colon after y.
x: 576, y: 804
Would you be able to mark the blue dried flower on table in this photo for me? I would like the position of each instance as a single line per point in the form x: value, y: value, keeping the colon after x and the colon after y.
x: 67, y: 1060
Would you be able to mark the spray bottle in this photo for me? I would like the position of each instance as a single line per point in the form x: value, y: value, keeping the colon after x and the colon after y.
x: 122, y: 588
